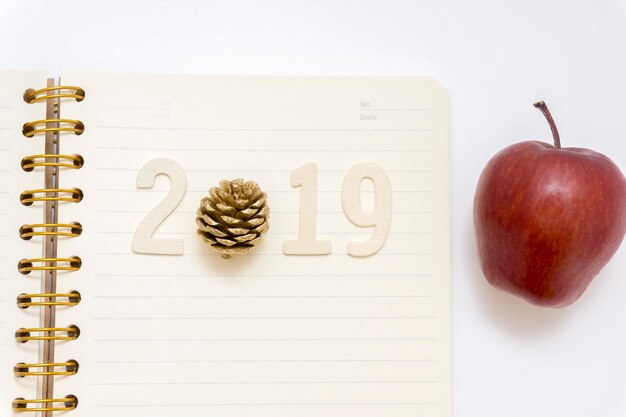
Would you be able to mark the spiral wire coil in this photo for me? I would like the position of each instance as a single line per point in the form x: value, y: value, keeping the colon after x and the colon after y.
x: 49, y: 230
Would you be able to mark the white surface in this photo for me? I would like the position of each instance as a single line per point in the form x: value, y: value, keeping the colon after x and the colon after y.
x: 496, y: 59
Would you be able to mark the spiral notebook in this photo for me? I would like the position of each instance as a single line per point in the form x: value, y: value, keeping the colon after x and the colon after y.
x: 113, y: 304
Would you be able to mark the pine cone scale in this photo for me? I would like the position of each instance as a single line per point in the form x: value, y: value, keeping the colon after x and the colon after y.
x: 222, y: 208
x: 226, y: 242
x: 231, y: 221
x: 260, y: 202
x: 247, y: 213
x: 206, y: 218
x: 246, y: 238
x: 237, y: 231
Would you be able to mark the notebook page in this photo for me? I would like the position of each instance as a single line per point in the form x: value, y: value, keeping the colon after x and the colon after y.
x: 263, y: 334
x: 14, y: 112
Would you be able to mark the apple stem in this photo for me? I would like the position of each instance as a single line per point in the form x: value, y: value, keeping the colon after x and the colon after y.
x: 555, y: 133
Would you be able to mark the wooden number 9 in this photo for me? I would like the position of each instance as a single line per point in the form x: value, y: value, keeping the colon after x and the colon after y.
x: 379, y: 218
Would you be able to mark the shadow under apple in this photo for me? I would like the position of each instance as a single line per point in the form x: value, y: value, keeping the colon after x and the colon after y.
x: 510, y: 313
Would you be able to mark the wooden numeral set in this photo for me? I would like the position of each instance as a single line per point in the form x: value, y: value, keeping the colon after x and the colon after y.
x: 304, y: 177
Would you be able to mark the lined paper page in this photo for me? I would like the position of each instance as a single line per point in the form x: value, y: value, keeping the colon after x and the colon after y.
x: 14, y: 112
x: 263, y: 334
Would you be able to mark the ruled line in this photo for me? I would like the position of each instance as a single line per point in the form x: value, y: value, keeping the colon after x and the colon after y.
x: 258, y: 383
x: 142, y: 362
x: 106, y: 232
x: 266, y: 275
x: 364, y: 109
x: 271, y: 254
x: 273, y: 212
x: 294, y: 191
x: 397, y: 171
x: 191, y: 296
x: 325, y: 404
x: 210, y: 129
x: 285, y: 339
x: 151, y: 318
x: 137, y: 148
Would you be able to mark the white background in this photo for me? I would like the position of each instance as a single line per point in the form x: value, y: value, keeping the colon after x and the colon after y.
x: 495, y: 58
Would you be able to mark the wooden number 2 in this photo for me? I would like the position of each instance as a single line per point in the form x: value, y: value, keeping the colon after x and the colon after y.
x: 143, y: 240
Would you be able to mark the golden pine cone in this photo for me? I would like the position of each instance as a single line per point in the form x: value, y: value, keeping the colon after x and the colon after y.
x: 233, y: 217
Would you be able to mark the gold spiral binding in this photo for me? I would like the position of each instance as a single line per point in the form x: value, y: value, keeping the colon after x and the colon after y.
x: 70, y: 195
x: 70, y: 402
x: 23, y: 369
x: 51, y: 127
x: 26, y: 300
x: 23, y: 335
x: 31, y: 129
x: 26, y: 266
x: 64, y: 91
x: 52, y: 160
x: 73, y: 229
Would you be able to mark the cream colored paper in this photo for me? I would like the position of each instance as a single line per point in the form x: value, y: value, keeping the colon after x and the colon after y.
x: 263, y: 334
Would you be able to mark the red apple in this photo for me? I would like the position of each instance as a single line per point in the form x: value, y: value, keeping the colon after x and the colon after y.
x: 548, y: 219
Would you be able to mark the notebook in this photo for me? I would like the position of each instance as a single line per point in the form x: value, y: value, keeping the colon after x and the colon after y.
x: 114, y: 304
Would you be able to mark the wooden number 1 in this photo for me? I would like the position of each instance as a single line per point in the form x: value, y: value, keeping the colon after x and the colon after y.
x: 305, y: 177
